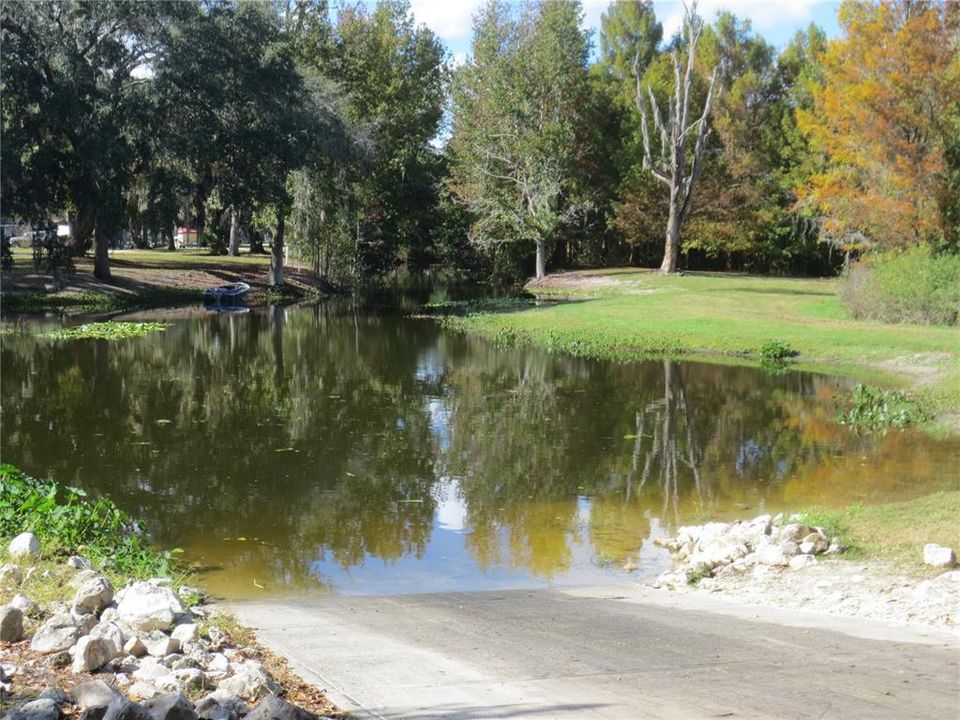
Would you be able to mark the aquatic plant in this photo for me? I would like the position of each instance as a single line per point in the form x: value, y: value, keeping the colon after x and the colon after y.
x: 107, y: 331
x: 877, y: 409
x: 66, y: 520
x: 777, y: 350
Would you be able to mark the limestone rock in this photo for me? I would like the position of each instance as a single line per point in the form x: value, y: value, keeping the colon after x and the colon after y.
x: 801, y: 561
x: 772, y: 555
x: 134, y: 646
x: 148, y: 606
x: 11, y: 624
x: 41, y: 709
x: 172, y: 706
x: 221, y: 705
x: 163, y: 646
x: 24, y: 604
x: 939, y: 556
x: 123, y: 709
x: 141, y: 690
x: 58, y: 633
x: 249, y: 680
x: 274, y: 708
x: 85, y: 622
x: 93, y: 596
x: 190, y: 678
x: 92, y: 653
x: 25, y: 545
x: 94, y: 694
x: 58, y: 696
x: 185, y: 633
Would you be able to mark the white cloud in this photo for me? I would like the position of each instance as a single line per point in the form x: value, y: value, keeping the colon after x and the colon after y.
x: 765, y: 15
x: 450, y: 19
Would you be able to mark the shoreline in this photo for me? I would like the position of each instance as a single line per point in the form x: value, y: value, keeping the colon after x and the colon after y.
x: 627, y: 314
x: 146, y: 279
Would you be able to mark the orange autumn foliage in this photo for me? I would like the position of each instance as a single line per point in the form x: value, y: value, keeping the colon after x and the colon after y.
x: 881, y: 119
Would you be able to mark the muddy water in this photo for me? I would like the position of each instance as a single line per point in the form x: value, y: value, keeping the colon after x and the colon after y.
x: 328, y: 448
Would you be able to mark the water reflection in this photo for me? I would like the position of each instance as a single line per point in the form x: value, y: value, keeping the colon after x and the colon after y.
x: 296, y: 449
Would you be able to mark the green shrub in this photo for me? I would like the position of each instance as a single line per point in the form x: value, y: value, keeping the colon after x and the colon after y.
x: 217, y: 242
x: 65, y: 520
x: 915, y: 286
x: 877, y: 409
x: 777, y: 350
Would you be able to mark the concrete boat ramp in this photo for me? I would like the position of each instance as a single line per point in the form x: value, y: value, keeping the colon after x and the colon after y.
x: 611, y: 652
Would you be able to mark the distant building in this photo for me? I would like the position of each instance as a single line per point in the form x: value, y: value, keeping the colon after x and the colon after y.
x: 187, y: 236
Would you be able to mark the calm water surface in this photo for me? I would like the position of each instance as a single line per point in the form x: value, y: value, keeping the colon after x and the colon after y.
x: 324, y: 448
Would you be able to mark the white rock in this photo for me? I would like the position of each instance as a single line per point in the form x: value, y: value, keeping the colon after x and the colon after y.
x: 109, y: 631
x: 801, y: 561
x: 163, y: 646
x: 151, y: 673
x: 57, y: 634
x: 92, y: 653
x: 134, y: 646
x: 11, y: 624
x: 94, y: 694
x: 772, y: 555
x: 141, y: 690
x: 814, y: 543
x: 93, y: 596
x: 939, y: 556
x: 148, y: 606
x: 78, y: 563
x: 185, y: 633
x: 85, y: 622
x: 218, y: 663
x: 191, y: 678
x: 249, y: 680
x: 24, y: 604
x: 760, y: 572
x: 24, y: 545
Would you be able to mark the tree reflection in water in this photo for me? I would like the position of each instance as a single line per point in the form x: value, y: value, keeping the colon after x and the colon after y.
x: 300, y: 446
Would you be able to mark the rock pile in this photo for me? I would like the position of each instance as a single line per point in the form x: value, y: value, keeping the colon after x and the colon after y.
x: 143, y: 641
x: 756, y: 546
x: 96, y: 700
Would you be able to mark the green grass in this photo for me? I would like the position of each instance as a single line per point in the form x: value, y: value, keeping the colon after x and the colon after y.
x: 895, y: 532
x: 633, y: 314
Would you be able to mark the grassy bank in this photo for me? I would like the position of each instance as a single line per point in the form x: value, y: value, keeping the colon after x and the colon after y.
x: 631, y: 314
x: 148, y: 278
x: 895, y: 532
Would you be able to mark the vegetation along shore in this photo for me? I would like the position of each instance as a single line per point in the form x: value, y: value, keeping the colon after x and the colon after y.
x: 94, y: 618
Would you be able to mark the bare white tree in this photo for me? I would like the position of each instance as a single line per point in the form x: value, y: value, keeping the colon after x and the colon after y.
x: 675, y: 131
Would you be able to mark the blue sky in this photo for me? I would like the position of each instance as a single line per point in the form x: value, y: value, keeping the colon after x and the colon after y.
x: 775, y: 20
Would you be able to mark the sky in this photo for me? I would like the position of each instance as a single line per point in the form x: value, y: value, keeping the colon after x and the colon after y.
x: 775, y: 20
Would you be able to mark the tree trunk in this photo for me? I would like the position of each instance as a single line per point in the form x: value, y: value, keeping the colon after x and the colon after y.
x: 256, y: 242
x: 541, y: 259
x: 101, y: 259
x: 234, y: 250
x: 82, y: 230
x: 671, y: 247
x: 171, y: 243
x: 276, y: 254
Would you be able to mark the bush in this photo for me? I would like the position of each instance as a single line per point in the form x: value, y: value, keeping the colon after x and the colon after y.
x: 915, y: 286
x: 777, y: 350
x: 217, y: 243
x: 66, y: 520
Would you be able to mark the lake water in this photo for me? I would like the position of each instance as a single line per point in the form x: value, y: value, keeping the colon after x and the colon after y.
x: 333, y: 448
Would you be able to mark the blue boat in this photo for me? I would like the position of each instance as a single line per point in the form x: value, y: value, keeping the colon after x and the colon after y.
x: 231, y: 292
